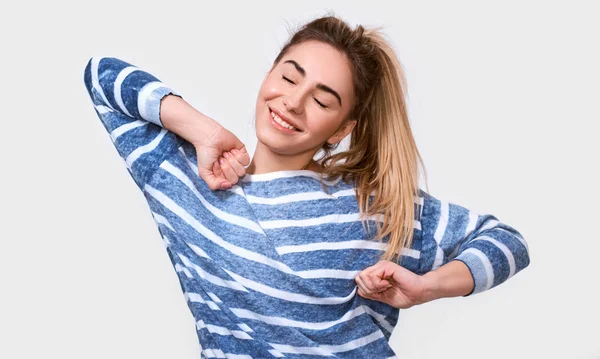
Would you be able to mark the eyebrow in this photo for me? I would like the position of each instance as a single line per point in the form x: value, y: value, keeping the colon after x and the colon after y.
x: 320, y: 86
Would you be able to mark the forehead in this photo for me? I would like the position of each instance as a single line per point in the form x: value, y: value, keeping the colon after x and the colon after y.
x: 323, y: 64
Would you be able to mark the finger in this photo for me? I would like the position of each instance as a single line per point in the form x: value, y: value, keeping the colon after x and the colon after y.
x: 379, y: 283
x: 394, y: 272
x: 366, y: 279
x: 383, y: 286
x: 361, y: 285
x: 218, y: 173
x: 228, y: 171
x: 373, y: 277
x: 241, y: 155
x: 211, y: 180
x: 363, y: 294
x: 235, y: 164
x: 371, y: 296
x: 217, y: 169
x: 240, y: 146
x: 367, y: 285
x: 224, y: 183
x: 386, y: 269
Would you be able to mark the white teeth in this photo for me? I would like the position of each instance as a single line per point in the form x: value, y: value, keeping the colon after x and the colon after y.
x: 282, y: 122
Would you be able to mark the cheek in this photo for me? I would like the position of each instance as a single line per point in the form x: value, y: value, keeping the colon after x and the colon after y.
x: 269, y: 89
x: 271, y: 92
x: 265, y: 93
x: 322, y: 124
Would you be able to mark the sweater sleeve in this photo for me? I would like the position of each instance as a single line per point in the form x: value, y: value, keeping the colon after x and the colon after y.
x: 127, y: 101
x: 493, y: 251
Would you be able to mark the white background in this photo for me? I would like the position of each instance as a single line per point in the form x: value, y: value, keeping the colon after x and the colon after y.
x: 503, y: 104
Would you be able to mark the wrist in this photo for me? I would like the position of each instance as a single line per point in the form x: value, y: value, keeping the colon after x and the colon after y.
x: 431, y: 287
x: 181, y: 118
x: 453, y: 279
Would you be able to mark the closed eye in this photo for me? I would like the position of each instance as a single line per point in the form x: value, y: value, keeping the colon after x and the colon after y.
x: 320, y: 104
x: 288, y: 80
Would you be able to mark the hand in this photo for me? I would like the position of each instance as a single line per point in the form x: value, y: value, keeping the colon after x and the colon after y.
x: 390, y: 283
x: 221, y: 172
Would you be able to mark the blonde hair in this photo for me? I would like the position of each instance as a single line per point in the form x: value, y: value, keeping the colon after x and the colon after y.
x: 382, y: 159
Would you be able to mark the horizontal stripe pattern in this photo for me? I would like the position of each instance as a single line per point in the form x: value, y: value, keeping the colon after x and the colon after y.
x: 268, y: 266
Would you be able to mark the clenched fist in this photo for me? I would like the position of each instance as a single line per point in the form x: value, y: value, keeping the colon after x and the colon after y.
x: 390, y: 283
x: 222, y: 158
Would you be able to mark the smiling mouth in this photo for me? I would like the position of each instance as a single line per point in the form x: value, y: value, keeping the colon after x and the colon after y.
x: 281, y: 122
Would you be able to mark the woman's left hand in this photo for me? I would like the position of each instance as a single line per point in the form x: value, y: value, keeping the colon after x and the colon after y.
x: 390, y: 283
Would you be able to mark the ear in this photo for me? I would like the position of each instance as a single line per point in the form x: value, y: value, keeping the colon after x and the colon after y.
x: 342, y: 132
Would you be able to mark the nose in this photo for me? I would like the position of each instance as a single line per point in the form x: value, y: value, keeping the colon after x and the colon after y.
x: 293, y: 102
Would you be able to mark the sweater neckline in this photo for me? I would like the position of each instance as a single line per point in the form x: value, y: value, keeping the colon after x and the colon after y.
x: 263, y: 177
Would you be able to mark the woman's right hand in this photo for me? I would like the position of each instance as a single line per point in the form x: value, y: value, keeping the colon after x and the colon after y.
x: 222, y: 158
x: 211, y: 141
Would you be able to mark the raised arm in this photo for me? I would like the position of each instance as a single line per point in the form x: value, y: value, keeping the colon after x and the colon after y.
x: 147, y: 121
x: 127, y: 101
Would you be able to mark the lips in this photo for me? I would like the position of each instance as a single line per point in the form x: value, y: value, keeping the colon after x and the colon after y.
x: 283, y: 120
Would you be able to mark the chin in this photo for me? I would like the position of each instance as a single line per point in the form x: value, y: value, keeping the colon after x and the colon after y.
x: 274, y: 143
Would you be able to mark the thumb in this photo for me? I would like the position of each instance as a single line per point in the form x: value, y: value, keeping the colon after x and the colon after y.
x: 231, y: 142
x: 386, y: 271
x: 380, y: 278
x: 245, y: 157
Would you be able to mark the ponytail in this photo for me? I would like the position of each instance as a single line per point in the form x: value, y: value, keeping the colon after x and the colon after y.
x: 382, y: 159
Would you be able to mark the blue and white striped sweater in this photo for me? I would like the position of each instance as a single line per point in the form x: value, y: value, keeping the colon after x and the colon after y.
x: 268, y: 266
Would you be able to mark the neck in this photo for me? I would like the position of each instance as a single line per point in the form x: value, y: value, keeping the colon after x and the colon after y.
x: 265, y: 161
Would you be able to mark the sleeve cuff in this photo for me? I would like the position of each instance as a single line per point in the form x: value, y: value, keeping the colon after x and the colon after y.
x: 149, y: 99
x: 480, y: 267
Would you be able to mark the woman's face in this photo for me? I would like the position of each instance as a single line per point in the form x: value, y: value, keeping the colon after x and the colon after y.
x: 304, y: 99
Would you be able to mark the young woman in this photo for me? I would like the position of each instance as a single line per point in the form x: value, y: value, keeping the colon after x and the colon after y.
x: 270, y: 253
